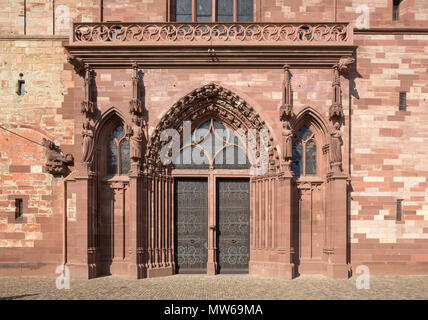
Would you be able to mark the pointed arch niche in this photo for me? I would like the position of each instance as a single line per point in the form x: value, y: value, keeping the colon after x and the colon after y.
x: 269, y: 244
x: 112, y: 166
x: 319, y: 200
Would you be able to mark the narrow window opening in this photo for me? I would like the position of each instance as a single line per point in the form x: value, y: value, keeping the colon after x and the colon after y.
x: 21, y: 87
x: 402, y: 102
x: 18, y: 208
x: 399, y: 209
x: 212, y: 10
x: 396, y: 10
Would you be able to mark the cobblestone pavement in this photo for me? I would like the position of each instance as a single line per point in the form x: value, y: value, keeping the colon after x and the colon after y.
x: 223, y: 287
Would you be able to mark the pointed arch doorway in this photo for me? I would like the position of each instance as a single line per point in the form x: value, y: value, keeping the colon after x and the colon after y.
x: 223, y: 200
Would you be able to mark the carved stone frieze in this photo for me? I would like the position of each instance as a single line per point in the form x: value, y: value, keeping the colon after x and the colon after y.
x: 171, y: 33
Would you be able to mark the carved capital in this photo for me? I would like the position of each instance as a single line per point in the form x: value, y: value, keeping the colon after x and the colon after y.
x: 336, y: 111
x: 88, y: 108
x: 135, y: 107
x: 285, y: 112
x: 78, y: 64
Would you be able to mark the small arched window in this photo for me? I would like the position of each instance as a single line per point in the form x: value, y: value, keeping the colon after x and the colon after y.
x: 118, y: 161
x: 304, y: 153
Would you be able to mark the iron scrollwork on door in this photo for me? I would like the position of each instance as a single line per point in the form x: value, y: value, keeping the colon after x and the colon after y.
x: 233, y: 215
x: 191, y: 225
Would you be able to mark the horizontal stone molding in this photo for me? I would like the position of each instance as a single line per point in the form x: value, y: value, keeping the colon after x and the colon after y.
x: 212, y: 34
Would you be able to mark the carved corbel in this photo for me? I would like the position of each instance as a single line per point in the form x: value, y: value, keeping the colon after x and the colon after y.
x: 56, y: 162
x: 88, y: 105
x: 77, y: 63
x: 345, y: 65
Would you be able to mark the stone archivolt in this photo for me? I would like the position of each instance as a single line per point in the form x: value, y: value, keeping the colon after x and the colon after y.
x: 210, y: 100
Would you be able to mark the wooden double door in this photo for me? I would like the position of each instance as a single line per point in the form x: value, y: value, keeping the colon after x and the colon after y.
x: 192, y: 224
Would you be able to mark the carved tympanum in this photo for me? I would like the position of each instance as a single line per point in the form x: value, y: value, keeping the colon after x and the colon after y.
x: 209, y: 101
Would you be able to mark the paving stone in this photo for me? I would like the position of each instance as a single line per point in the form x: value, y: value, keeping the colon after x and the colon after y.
x: 221, y: 287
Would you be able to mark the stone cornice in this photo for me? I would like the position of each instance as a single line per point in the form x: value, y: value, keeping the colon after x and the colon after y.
x: 197, y: 57
x: 210, y: 45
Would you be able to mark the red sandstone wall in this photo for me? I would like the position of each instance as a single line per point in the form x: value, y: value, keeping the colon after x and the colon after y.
x: 135, y: 10
x: 41, y: 16
x: 389, y: 149
x: 35, y: 115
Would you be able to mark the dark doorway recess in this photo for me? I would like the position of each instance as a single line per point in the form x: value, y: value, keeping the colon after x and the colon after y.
x: 191, y: 221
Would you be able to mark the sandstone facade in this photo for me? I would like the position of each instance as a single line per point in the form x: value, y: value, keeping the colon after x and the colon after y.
x: 383, y: 151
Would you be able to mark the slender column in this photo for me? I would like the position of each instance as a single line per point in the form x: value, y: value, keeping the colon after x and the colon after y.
x: 152, y: 227
x: 172, y: 225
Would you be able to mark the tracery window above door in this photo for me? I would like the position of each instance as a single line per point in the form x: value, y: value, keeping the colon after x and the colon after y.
x: 211, y: 145
x: 211, y: 10
x: 304, y: 153
x: 118, y: 161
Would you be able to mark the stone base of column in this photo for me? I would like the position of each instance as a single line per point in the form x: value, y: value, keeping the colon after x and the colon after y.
x: 136, y: 271
x: 160, y: 272
x: 81, y: 271
x: 279, y: 270
x: 338, y: 271
x: 119, y: 267
x: 211, y: 268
